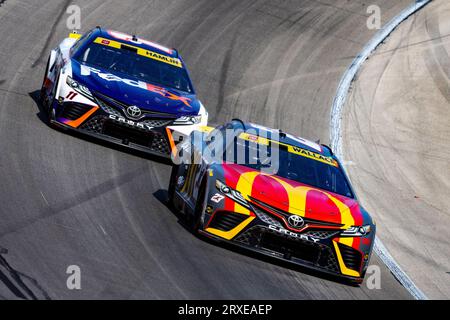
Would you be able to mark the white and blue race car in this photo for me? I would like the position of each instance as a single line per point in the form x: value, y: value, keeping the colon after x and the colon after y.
x: 123, y: 89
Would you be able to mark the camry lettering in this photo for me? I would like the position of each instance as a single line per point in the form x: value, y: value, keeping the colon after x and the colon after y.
x: 130, y: 122
x: 292, y: 234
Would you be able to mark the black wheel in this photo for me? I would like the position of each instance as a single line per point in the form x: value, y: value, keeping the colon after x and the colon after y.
x: 42, y: 95
x: 197, y: 223
x: 172, y: 185
x: 49, y: 108
x: 355, y: 283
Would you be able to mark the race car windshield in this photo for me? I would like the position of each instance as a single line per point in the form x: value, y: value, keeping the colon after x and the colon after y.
x: 291, y: 166
x: 129, y: 63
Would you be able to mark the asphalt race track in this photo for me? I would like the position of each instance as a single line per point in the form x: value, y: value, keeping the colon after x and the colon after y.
x: 68, y: 201
x: 397, y: 136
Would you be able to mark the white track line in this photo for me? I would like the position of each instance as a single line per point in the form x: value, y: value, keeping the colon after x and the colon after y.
x: 336, y: 133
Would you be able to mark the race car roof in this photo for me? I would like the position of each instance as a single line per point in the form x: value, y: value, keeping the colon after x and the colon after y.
x: 135, y: 41
x: 287, y: 138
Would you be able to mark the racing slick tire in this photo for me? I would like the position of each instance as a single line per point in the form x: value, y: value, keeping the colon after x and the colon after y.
x: 172, y: 184
x: 49, y: 108
x: 42, y: 98
x: 196, y: 219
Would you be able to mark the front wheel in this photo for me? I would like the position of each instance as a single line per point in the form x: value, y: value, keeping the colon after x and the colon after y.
x: 197, y: 218
x: 49, y: 107
x: 172, y: 185
x: 43, y: 98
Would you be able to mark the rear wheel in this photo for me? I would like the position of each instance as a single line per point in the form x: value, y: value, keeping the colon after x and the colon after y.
x: 172, y: 185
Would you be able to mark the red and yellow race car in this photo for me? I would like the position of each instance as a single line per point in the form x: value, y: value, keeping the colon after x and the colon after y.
x: 273, y: 193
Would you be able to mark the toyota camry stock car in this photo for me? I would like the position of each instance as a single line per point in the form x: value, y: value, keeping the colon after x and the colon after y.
x: 122, y: 89
x: 303, y: 210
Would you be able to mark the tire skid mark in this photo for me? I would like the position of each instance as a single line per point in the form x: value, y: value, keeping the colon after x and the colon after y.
x: 439, y: 52
x: 336, y: 128
x: 225, y: 68
x: 68, y: 200
x: 66, y: 204
x: 438, y: 62
x: 15, y: 282
x: 46, y: 46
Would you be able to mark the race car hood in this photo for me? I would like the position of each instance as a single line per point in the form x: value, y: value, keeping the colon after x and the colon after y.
x: 133, y: 92
x: 293, y: 197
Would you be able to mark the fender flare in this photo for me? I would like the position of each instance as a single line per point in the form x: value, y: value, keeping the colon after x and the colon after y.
x: 51, y: 61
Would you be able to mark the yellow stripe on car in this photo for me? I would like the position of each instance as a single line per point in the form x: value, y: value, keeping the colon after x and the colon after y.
x: 345, y: 271
x: 296, y: 195
x: 228, y: 235
x: 245, y: 186
x: 346, y: 216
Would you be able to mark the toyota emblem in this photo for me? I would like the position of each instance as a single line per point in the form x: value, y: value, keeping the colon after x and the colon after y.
x: 296, y: 221
x: 134, y: 111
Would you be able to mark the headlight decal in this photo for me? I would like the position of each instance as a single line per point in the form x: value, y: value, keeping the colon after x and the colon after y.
x: 188, y: 120
x: 356, y: 231
x: 240, y: 203
x: 83, y: 90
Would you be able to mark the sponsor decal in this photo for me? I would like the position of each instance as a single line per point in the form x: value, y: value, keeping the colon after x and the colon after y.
x: 86, y: 71
x: 130, y: 122
x: 254, y: 138
x: 312, y: 155
x: 301, y: 200
x: 292, y: 234
x: 163, y: 92
x: 217, y: 198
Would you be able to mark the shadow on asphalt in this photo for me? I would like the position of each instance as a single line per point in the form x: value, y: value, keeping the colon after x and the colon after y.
x: 161, y: 196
